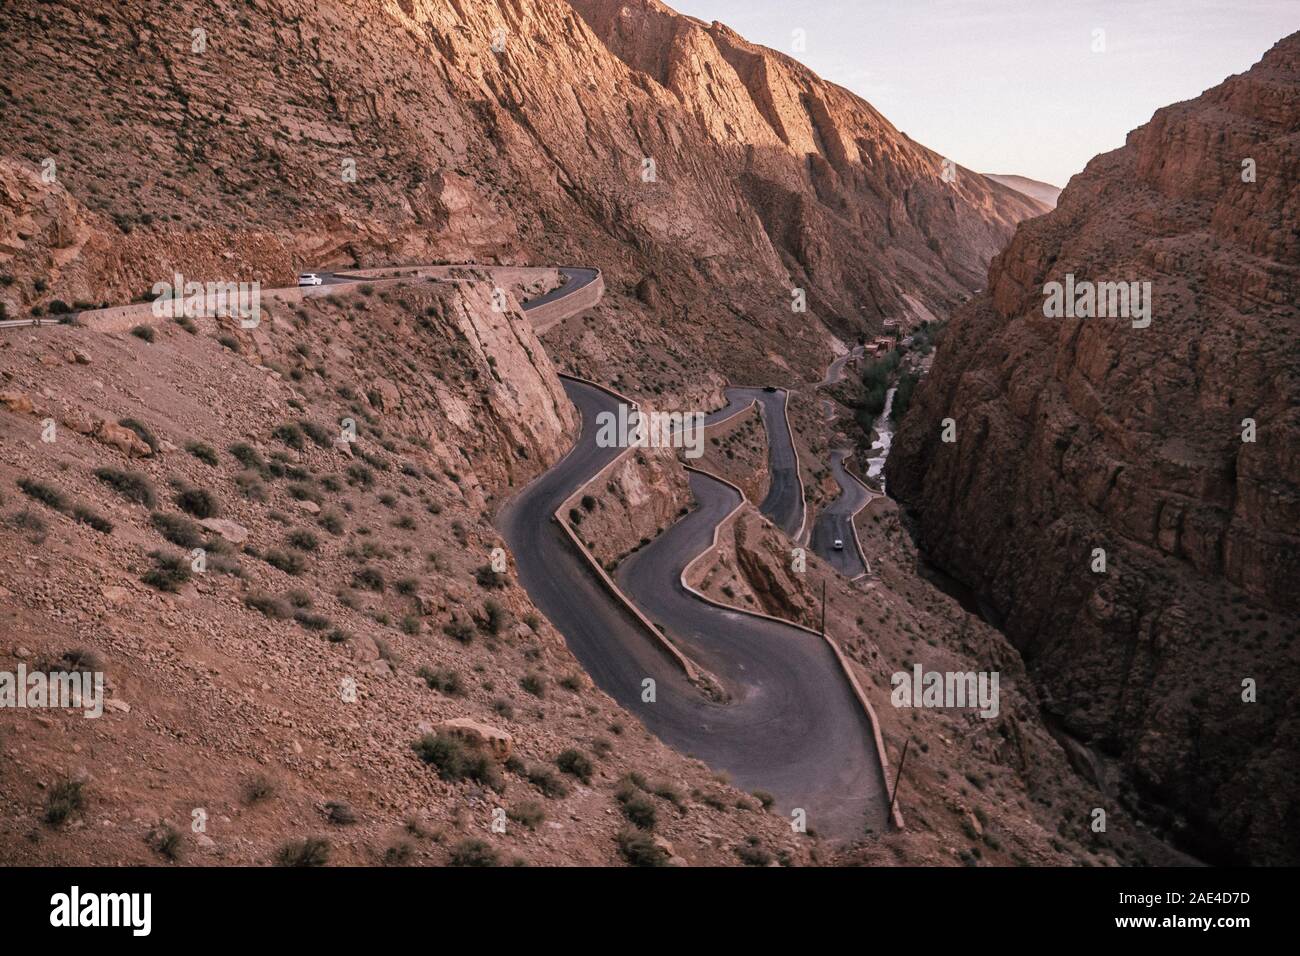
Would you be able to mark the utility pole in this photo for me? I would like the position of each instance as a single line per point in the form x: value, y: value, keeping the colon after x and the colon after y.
x: 823, y: 607
x: 898, y: 777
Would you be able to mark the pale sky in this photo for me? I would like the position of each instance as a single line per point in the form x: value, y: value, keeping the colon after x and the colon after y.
x: 1013, y: 86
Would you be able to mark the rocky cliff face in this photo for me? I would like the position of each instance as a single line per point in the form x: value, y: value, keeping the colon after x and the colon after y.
x: 256, y: 138
x: 1076, y: 434
x: 827, y: 179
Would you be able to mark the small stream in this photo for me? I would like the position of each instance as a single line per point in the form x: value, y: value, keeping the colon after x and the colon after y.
x: 880, y: 447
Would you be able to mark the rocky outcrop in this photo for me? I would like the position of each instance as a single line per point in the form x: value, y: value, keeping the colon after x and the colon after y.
x: 1172, y: 447
x: 630, y: 504
x: 492, y: 739
x: 820, y: 173
x: 476, y: 131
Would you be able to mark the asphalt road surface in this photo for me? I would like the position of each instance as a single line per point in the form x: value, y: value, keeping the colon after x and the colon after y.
x: 784, y: 503
x: 836, y: 521
x: 575, y: 277
x: 836, y: 368
x: 792, y: 726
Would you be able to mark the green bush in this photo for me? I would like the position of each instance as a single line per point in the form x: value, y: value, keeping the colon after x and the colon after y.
x: 489, y: 579
x: 575, y: 763
x: 459, y: 631
x: 248, y: 456
x: 639, y: 810
x: 131, y: 485
x: 290, y: 562
x: 340, y: 812
x: 639, y: 849
x: 290, y: 434
x: 313, y: 851
x: 144, y: 332
x: 321, y: 436
x: 92, y: 518
x: 257, y: 789
x: 165, y: 840
x: 399, y: 854
x: 269, y: 604
x: 530, y: 813
x: 305, y: 491
x: 473, y: 853
x: 168, y: 573
x: 456, y: 760
x: 331, y: 521
x: 534, y: 683
x: 199, y: 502
x: 312, y: 622
x: 47, y: 495
x: 545, y: 780
x: 177, y: 529
x: 442, y: 680
x: 360, y: 476
x: 370, y: 578
x: 303, y: 540
x: 64, y: 799
x: 494, y: 616
x: 752, y: 853
x: 33, y: 526
x: 903, y: 395
x: 204, y: 453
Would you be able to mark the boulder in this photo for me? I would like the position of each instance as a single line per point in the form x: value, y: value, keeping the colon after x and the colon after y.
x: 390, y: 399
x: 493, y: 739
x: 115, y: 595
x: 16, y: 402
x: 232, y: 531
x: 78, y: 421
x: 123, y: 439
x: 430, y: 602
x: 364, y: 648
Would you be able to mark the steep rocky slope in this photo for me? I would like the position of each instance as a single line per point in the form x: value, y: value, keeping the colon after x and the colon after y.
x: 1077, y: 434
x: 250, y: 139
x: 1045, y: 193
x: 347, y: 607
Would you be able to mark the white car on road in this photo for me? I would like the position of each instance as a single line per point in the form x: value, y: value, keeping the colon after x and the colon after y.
x: 839, y: 544
x: 309, y: 278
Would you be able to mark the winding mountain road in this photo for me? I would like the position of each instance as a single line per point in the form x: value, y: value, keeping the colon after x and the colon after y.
x: 784, y: 502
x: 792, y: 726
x: 789, y: 722
x: 572, y: 296
x: 835, y: 522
